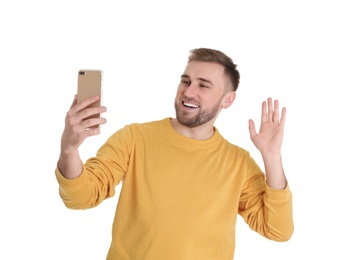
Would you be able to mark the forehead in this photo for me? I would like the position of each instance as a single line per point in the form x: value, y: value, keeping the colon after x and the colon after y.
x: 212, y: 71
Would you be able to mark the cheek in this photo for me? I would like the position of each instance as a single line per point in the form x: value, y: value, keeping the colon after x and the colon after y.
x: 179, y: 92
x: 213, y: 101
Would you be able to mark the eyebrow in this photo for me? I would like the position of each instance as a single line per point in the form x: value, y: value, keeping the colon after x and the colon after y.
x: 201, y: 79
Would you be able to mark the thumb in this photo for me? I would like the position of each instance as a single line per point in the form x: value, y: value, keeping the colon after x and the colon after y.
x: 252, y: 130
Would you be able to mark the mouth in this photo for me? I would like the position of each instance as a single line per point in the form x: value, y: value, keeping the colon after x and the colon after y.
x: 189, y: 105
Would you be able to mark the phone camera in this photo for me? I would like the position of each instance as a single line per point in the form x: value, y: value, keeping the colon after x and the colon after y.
x: 82, y: 72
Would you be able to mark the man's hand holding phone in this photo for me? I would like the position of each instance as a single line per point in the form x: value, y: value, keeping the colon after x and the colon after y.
x: 84, y: 116
x: 79, y: 121
x: 82, y: 120
x: 78, y: 124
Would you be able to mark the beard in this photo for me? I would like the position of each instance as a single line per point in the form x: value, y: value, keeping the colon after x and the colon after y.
x: 202, y: 117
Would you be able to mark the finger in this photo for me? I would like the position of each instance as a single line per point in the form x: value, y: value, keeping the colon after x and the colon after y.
x: 252, y: 130
x: 80, y: 110
x: 93, y: 112
x: 86, y: 102
x: 283, y: 116
x: 269, y: 110
x: 276, y: 112
x: 92, y: 131
x: 93, y: 122
x: 263, y: 112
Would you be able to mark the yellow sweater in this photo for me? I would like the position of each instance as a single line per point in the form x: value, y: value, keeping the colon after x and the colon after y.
x: 180, y: 197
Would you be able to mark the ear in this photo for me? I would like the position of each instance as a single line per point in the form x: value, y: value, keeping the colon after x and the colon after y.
x: 228, y: 99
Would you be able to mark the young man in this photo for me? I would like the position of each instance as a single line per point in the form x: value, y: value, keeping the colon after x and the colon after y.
x: 183, y: 183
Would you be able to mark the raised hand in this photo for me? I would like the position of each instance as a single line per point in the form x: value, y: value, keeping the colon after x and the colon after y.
x: 270, y: 136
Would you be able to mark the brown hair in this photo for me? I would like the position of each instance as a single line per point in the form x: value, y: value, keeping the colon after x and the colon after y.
x: 211, y: 55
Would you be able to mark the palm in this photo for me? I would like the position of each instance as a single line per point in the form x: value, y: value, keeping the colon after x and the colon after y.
x: 270, y: 136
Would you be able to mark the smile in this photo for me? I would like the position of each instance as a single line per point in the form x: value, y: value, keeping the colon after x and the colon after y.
x: 186, y: 104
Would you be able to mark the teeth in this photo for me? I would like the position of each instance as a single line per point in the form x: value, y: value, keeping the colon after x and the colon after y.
x: 190, y: 105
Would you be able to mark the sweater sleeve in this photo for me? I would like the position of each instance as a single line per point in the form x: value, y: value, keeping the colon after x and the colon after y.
x: 100, y: 174
x: 267, y: 211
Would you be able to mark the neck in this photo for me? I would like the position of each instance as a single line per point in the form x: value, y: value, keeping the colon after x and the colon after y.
x: 201, y: 132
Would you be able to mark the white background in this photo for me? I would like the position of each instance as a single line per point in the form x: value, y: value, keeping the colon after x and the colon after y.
x: 295, y: 51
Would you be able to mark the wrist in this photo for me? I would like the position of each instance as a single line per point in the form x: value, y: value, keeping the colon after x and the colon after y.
x: 271, y: 155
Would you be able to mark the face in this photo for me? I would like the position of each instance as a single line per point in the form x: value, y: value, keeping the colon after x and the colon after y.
x: 200, y: 95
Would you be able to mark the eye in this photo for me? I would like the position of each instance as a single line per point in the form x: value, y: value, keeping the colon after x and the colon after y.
x: 186, y: 82
x: 203, y: 86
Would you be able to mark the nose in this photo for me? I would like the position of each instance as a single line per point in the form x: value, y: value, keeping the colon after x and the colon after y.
x: 190, y: 91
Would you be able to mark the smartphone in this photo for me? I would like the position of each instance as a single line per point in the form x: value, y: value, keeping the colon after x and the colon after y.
x: 90, y: 84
